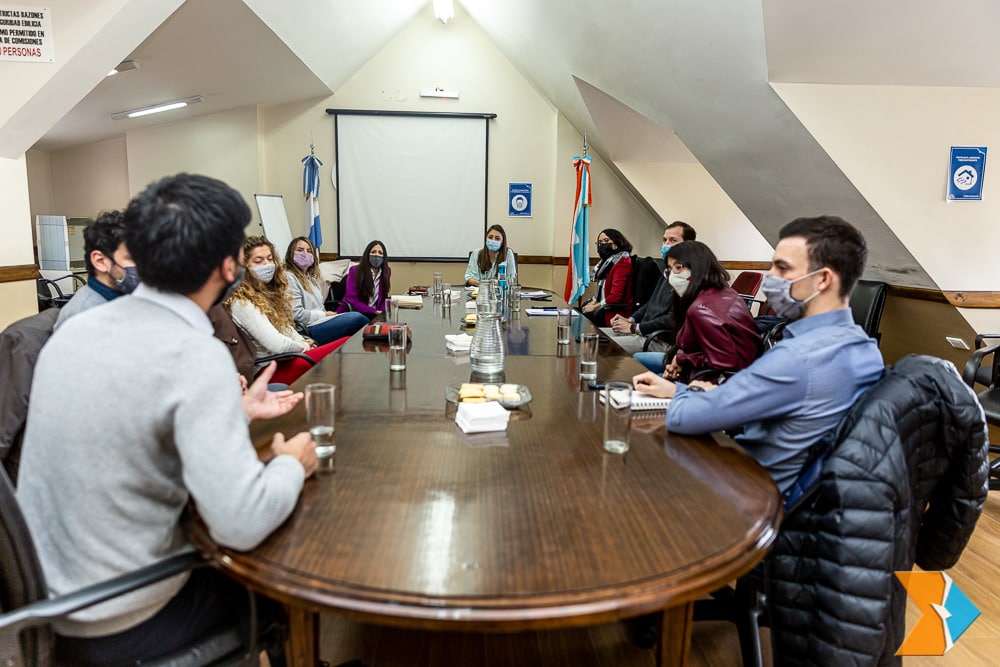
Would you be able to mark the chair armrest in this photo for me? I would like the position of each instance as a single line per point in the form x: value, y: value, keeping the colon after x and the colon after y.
x: 976, y: 360
x: 283, y: 356
x: 44, y: 611
x: 654, y: 335
x: 981, y: 340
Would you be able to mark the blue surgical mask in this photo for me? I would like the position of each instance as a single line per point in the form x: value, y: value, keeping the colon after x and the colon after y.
x: 664, y: 250
x: 129, y: 281
x: 376, y: 261
x: 264, y: 272
x: 492, y: 245
x: 778, y: 292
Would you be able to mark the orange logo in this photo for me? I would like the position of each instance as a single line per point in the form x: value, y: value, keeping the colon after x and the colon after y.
x: 945, y: 613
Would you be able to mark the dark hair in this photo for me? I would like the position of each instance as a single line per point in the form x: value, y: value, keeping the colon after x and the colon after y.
x: 834, y: 243
x: 687, y: 232
x: 366, y: 284
x: 104, y: 234
x: 618, y: 239
x: 181, y: 228
x: 484, y: 255
x: 706, y: 273
x: 312, y: 273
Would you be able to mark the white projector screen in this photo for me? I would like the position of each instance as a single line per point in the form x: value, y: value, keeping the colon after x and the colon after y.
x: 416, y: 182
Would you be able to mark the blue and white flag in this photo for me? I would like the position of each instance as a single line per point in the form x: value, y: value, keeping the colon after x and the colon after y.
x: 578, y: 271
x: 310, y: 187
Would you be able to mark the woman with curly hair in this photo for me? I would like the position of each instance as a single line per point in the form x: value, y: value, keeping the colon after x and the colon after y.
x: 306, y: 296
x: 368, y: 282
x: 261, y: 308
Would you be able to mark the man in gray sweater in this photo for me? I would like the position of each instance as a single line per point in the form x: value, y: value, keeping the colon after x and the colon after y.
x: 136, y: 409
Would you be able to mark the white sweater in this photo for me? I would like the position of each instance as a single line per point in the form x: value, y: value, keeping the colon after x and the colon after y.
x: 307, y: 300
x: 266, y: 337
x: 134, y: 411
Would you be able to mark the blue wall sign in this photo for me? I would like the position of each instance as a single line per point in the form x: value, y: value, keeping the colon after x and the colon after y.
x: 519, y: 200
x: 966, y: 173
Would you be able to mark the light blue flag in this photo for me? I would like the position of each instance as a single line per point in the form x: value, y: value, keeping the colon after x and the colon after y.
x: 310, y: 188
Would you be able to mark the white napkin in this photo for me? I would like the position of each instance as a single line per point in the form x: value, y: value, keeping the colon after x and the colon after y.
x: 470, y: 305
x: 480, y: 417
x: 458, y: 342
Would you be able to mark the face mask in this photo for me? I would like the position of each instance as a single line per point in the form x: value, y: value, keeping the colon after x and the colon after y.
x: 231, y: 287
x: 376, y: 261
x: 779, y: 295
x: 129, y: 281
x: 492, y: 245
x: 664, y: 250
x: 303, y: 261
x: 680, y: 281
x: 264, y: 272
x: 604, y: 250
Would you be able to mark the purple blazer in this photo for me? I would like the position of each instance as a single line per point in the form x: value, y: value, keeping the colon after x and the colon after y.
x: 351, y: 293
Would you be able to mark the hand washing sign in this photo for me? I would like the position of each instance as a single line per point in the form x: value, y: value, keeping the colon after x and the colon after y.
x: 966, y: 172
x: 519, y: 200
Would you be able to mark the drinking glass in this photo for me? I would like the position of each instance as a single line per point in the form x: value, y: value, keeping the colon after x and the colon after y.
x: 436, y: 286
x: 397, y: 347
x: 563, y: 319
x: 320, y: 410
x: 617, y: 418
x: 515, y: 298
x: 391, y: 312
x: 588, y: 356
x: 446, y: 295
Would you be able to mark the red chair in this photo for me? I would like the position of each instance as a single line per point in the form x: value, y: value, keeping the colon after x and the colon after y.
x: 293, y: 365
x: 746, y: 285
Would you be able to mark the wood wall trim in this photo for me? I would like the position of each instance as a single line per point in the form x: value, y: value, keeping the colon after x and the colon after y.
x: 919, y: 293
x: 537, y: 259
x: 745, y: 266
x: 13, y: 274
x: 973, y: 299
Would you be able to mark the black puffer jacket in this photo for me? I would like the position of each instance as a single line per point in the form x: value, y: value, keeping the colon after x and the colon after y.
x: 905, y: 484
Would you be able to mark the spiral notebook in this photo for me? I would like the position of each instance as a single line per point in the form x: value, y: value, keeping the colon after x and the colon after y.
x: 640, y: 401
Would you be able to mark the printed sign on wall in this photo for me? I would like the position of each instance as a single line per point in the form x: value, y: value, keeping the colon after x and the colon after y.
x: 26, y: 34
x: 966, y: 172
x: 519, y: 200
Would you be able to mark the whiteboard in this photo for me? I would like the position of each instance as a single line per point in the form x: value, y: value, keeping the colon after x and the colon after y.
x: 274, y: 222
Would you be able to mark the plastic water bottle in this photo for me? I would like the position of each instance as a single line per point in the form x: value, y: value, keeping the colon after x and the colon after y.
x: 486, y: 354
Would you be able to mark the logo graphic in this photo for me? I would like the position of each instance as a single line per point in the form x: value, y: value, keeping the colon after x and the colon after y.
x: 945, y: 613
x: 965, y: 178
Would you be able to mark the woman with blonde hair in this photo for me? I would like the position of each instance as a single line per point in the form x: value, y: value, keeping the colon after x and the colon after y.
x: 306, y: 296
x: 261, y: 308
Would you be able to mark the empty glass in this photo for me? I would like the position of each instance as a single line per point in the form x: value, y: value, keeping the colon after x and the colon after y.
x: 320, y: 410
x: 391, y: 312
x: 617, y: 417
x: 436, y: 286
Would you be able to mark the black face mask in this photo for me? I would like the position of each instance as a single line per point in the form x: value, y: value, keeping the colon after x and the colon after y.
x: 231, y: 287
x: 604, y: 250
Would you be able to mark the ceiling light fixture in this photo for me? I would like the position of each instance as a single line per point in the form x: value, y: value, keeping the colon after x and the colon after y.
x: 156, y: 108
x: 444, y: 10
x: 124, y: 66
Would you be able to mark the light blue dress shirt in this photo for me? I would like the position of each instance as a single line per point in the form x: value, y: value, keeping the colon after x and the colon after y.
x: 791, y: 396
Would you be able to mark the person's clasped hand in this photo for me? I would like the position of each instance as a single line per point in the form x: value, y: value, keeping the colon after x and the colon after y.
x: 301, y: 446
x: 673, y: 370
x: 622, y: 325
x: 259, y: 403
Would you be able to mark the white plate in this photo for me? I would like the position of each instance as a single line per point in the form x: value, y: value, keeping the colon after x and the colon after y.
x: 451, y: 394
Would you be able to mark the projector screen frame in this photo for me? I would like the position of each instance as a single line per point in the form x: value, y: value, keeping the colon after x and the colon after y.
x: 486, y: 117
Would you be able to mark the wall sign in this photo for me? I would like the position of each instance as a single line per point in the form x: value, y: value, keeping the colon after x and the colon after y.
x: 26, y: 34
x: 519, y: 200
x: 966, y: 172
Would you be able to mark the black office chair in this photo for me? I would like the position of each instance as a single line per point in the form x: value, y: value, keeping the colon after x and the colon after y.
x: 988, y: 376
x: 919, y: 434
x: 646, y: 273
x: 867, y: 304
x: 50, y: 295
x: 26, y: 636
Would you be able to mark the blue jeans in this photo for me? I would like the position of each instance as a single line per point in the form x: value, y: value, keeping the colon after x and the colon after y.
x: 335, y: 328
x: 654, y: 361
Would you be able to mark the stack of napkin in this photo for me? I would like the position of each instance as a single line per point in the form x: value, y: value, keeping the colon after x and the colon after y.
x: 459, y: 343
x: 480, y: 417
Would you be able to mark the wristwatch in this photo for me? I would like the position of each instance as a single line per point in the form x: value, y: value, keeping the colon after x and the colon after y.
x: 632, y: 328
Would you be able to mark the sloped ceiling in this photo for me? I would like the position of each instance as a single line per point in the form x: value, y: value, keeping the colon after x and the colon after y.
x: 673, y: 78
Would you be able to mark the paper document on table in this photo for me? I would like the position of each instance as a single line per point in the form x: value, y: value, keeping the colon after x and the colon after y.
x: 551, y: 312
x: 408, y: 301
x: 640, y: 401
x: 534, y: 294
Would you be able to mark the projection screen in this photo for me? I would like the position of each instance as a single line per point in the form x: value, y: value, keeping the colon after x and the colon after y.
x: 416, y: 182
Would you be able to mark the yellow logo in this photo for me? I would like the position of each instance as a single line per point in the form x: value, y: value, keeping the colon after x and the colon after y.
x: 945, y: 613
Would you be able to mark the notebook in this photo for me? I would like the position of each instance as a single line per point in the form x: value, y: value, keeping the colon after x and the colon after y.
x: 640, y: 401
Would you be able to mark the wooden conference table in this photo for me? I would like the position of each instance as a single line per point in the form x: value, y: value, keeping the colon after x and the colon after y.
x: 422, y: 526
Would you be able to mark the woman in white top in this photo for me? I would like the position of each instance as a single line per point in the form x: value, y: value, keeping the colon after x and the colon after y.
x: 483, y: 263
x: 260, y: 305
x: 306, y: 296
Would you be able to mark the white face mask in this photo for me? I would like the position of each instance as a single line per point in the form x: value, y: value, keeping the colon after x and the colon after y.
x: 264, y: 272
x: 680, y: 281
x: 779, y: 295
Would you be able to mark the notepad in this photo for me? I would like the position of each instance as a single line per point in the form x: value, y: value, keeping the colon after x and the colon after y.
x: 408, y: 301
x: 640, y: 401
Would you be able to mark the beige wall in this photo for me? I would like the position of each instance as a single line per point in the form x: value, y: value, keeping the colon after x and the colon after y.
x: 89, y: 179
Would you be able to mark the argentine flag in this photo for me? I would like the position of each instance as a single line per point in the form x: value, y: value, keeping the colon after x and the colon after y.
x: 310, y: 187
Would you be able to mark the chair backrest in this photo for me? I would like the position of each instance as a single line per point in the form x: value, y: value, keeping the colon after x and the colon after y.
x: 646, y: 274
x: 867, y: 303
x: 21, y: 578
x: 747, y: 283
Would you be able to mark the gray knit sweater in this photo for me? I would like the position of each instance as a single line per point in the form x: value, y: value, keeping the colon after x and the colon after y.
x: 133, y: 411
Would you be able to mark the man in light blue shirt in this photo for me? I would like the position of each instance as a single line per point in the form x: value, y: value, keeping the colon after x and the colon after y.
x: 800, y: 389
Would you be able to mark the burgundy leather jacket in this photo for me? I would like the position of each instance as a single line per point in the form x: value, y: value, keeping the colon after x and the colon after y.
x: 718, y: 333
